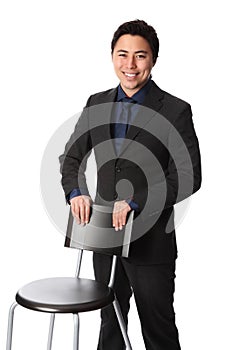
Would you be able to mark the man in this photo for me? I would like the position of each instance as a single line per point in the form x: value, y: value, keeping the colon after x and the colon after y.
x: 146, y: 162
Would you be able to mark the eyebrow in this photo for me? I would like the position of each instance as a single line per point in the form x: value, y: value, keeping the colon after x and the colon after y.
x: 139, y: 51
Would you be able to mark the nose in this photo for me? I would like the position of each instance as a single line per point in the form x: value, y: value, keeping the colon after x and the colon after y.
x: 131, y: 62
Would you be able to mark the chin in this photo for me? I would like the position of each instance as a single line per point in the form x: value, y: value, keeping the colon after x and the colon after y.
x: 131, y: 86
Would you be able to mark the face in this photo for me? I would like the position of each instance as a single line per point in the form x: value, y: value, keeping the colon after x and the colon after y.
x: 132, y: 60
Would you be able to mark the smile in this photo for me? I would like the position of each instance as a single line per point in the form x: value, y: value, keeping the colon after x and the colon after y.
x: 131, y: 75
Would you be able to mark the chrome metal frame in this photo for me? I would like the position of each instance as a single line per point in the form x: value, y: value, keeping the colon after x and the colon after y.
x: 76, y: 332
x: 10, y: 326
x: 122, y: 324
x: 51, y: 328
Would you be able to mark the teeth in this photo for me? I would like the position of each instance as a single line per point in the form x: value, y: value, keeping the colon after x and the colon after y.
x: 130, y: 75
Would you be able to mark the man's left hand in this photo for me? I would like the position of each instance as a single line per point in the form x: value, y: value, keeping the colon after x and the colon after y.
x: 120, y: 210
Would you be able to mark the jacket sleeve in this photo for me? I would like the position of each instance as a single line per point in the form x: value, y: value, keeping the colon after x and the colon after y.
x: 74, y: 159
x: 182, y: 177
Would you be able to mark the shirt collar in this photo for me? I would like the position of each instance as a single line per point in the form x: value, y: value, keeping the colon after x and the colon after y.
x: 139, y: 96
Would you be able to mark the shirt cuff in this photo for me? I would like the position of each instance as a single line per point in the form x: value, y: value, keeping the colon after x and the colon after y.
x: 132, y: 204
x: 75, y: 193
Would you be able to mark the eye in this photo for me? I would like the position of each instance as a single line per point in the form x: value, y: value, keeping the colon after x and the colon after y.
x: 122, y: 55
x: 141, y: 57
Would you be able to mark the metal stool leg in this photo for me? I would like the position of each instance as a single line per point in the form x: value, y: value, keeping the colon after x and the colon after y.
x: 51, y: 327
x: 122, y: 324
x: 76, y: 332
x: 10, y: 326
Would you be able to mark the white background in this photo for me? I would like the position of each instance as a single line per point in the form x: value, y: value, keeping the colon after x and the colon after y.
x: 54, y: 54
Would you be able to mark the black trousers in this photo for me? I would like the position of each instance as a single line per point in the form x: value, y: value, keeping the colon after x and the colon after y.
x: 153, y: 288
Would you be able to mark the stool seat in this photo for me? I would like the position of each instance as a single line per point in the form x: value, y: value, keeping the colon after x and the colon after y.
x: 65, y: 295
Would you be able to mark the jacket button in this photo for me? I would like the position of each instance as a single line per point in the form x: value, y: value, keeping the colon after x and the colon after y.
x: 118, y: 170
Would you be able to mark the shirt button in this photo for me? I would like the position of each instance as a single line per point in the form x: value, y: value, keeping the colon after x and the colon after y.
x: 118, y: 170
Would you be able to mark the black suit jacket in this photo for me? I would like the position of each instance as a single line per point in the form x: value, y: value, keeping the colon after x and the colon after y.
x: 159, y: 165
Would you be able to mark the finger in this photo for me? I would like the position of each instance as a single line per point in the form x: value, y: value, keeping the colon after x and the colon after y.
x: 124, y: 215
x: 87, y: 213
x: 122, y: 219
x: 115, y: 217
x: 82, y: 212
x: 75, y: 211
x: 114, y: 220
x: 118, y: 221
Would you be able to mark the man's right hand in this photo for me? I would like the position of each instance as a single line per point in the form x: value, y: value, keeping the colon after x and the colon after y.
x: 80, y: 207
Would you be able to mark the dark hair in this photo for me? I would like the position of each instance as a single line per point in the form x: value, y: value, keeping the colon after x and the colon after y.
x: 141, y: 28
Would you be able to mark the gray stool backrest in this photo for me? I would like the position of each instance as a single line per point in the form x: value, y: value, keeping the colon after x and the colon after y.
x: 99, y: 235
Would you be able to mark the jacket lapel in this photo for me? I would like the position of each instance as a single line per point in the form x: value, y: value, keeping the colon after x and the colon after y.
x: 100, y: 116
x: 151, y: 105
